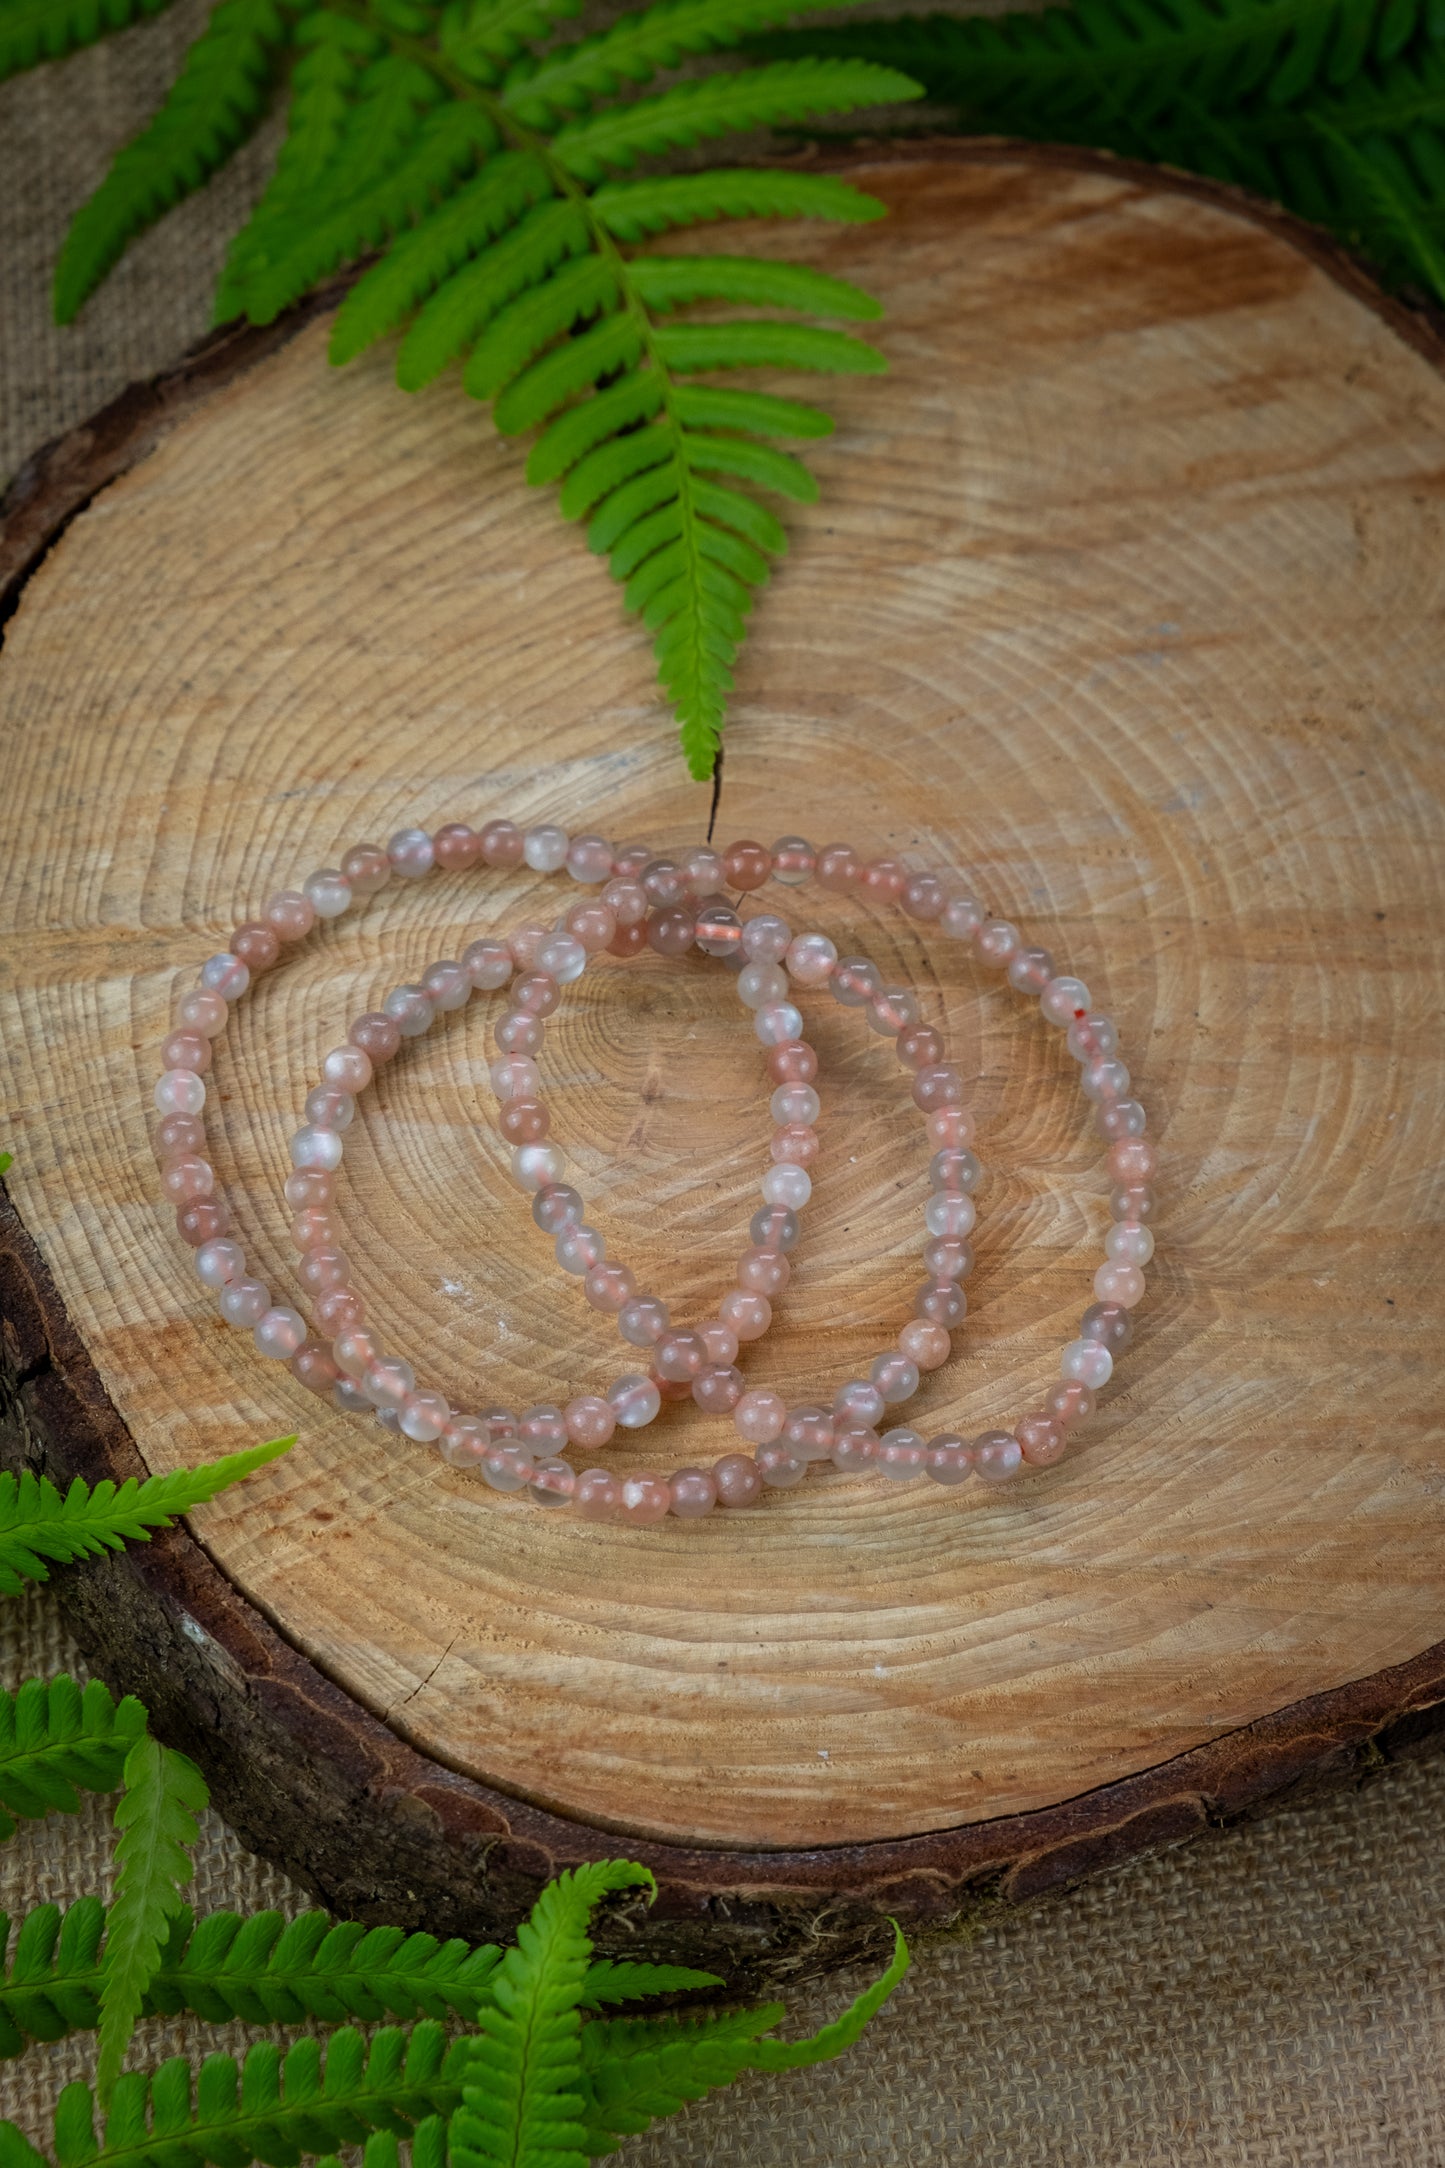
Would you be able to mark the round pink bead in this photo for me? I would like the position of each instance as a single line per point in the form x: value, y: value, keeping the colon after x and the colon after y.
x: 388, y: 1382
x: 1069, y: 1403
x: 553, y: 1482
x: 645, y: 1498
x: 997, y: 1455
x: 188, y: 1177
x: 939, y: 1085
x: 794, y: 1063
x: 597, y: 1494
x: 348, y: 1068
x: 590, y: 1420
x: 456, y: 846
x: 941, y: 1302
x: 794, y: 1145
x: 464, y: 1442
x: 593, y: 925
x: 671, y: 932
x: 746, y: 865
x: 518, y: 1033
x: 680, y: 1355
x: 1063, y: 1001
x: 737, y: 1479
x: 763, y: 1272
x: 219, y: 1262
x: 256, y: 945
x: 367, y: 868
x: 543, y: 1428
x: 508, y: 1467
x: 338, y: 1310
x: 720, y: 1341
x: 280, y: 1334
x: 515, y: 1076
x: 1093, y: 1037
x: 747, y: 1314
x: 181, y: 1136
x: 201, y: 1010
x: 226, y: 975
x: 589, y: 858
x: 717, y: 1391
x: 609, y: 1287
x: 948, y: 1460
x: 884, y: 878
x: 962, y: 917
x: 664, y: 881
x: 1123, y: 1284
x: 502, y: 843
x: 309, y: 1189
x: 924, y: 897
x: 702, y: 869
x: 355, y: 1353
x: 855, y: 982
x: 811, y: 958
x: 244, y: 1303
x: 1131, y: 1161
x: 523, y: 1121
x: 1041, y: 1440
x: 1120, y: 1118
x: 628, y: 941
x: 948, y: 1257
x: 902, y: 1454
x: 694, y: 1493
x: 179, y: 1091
x: 202, y: 1220
x: 998, y: 943
x: 896, y: 1377
x: 838, y: 867
x: 627, y: 901
x: 926, y: 1345
x: 1030, y: 970
x: 1136, y: 1203
x: 779, y: 1468
x: 315, y: 1368
x: 377, y: 1035
x: 892, y: 1011
x: 855, y: 1445
x: 536, y: 1165
x: 488, y: 964
x: 951, y: 1126
x: 759, y: 1417
x: 536, y: 993
x: 808, y: 1433
x: 920, y: 1048
x: 290, y: 915
x: 1104, y: 1079
x: 642, y: 1321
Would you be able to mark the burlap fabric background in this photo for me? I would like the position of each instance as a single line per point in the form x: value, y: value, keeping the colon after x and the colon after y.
x: 1270, y: 1999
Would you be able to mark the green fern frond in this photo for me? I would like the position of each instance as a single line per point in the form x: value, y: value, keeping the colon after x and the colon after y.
x: 634, y: 210
x: 671, y: 282
x: 522, y: 2095
x: 779, y: 95
x: 37, y: 1524
x: 36, y: 30
x: 844, y: 2030
x: 481, y: 36
x: 621, y: 1979
x: 690, y: 348
x: 214, y: 104
x: 1403, y: 220
x: 574, y: 76
x: 523, y: 330
x: 264, y: 1970
x: 638, y: 2070
x: 55, y: 1736
x: 156, y: 1817
x: 271, y: 2107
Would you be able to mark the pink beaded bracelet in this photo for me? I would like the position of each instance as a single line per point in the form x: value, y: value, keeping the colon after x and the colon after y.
x: 670, y: 905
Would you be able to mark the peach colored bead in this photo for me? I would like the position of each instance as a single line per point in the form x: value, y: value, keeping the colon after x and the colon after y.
x: 763, y: 1272
x: 694, y: 1493
x: 355, y: 1352
x: 680, y: 1356
x: 998, y: 942
x: 309, y: 1189
x: 593, y: 925
x: 525, y: 940
x: 377, y: 1035
x: 187, y: 1177
x: 795, y: 1062
x: 257, y: 946
x: 1131, y: 1161
x: 627, y: 900
x: 998, y: 1456
x: 315, y: 1368
x: 597, y: 1495
x: 203, y: 1220
x: 949, y: 1459
x: 457, y: 846
x: 748, y: 1315
x: 290, y: 915
x: 186, y: 1050
x: 645, y: 1499
x: 924, y: 897
x: 609, y: 1287
x: 720, y: 1341
x: 338, y: 1310
x: 181, y: 1136
x: 590, y: 1420
x: 325, y: 1267
x: 367, y: 868
x: 1041, y: 1440
x: 855, y: 1444
x: 702, y: 869
x: 759, y: 1416
x: 313, y: 1230
x: 536, y: 993
x: 1031, y: 971
x: 523, y: 1121
x: 794, y: 1145
x: 519, y: 1033
x: 718, y: 1390
x: 737, y: 1479
x: 924, y: 1344
x: 502, y: 843
x: 808, y: 1433
x: 746, y: 865
x: 348, y: 1068
x: 201, y: 1010
x: 939, y: 1085
x: 1119, y: 1283
x: 179, y: 1091
x: 920, y: 1047
x: 838, y: 867
x: 1069, y: 1403
x: 628, y: 941
x: 951, y: 1126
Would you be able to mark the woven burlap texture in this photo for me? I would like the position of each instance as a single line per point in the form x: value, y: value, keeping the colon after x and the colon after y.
x: 1273, y: 1999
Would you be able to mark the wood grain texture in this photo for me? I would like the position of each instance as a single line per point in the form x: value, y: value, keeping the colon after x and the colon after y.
x: 1125, y: 592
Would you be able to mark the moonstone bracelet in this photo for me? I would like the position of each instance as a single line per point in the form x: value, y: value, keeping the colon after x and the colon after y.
x: 670, y: 905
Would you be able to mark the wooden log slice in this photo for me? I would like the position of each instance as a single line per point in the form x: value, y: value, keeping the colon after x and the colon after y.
x: 1125, y: 593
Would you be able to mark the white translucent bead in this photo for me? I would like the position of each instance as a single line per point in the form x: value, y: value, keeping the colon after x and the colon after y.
x: 535, y: 1165
x: 761, y: 982
x: 328, y: 892
x: 634, y: 1401
x: 1086, y: 1362
x: 766, y: 938
x: 220, y: 1262
x: 562, y: 958
x: 962, y: 917
x: 795, y: 1103
x: 244, y: 1303
x: 811, y: 958
x: 411, y: 853
x: 1129, y: 1243
x: 1105, y: 1079
x: 779, y: 1024
x: 545, y: 848
x: 1062, y: 999
x: 515, y: 1076
x: 578, y: 1248
x: 388, y: 1382
x: 347, y: 1068
x: 179, y: 1091
x: 425, y: 1416
x: 225, y: 975
x: 280, y: 1333
x: 447, y: 986
x: 788, y: 1186
x: 316, y: 1148
x: 489, y: 964
x: 946, y: 1214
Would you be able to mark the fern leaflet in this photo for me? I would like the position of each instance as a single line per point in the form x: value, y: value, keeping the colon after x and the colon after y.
x: 37, y: 1524
x: 156, y: 1818
x: 36, y: 30
x: 56, y: 1736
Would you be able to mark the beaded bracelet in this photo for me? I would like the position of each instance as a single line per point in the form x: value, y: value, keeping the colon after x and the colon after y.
x: 646, y: 899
